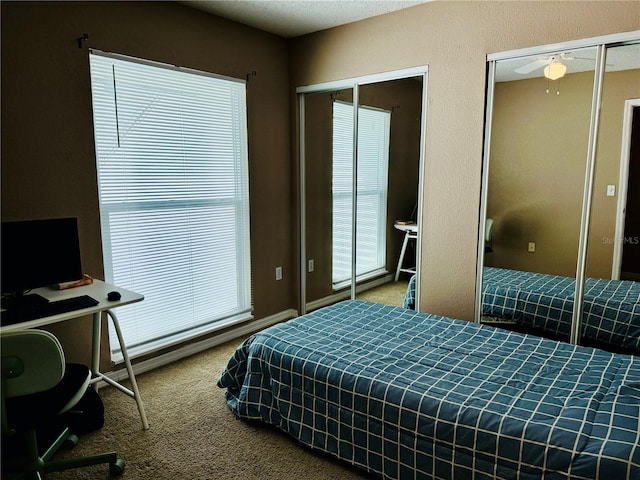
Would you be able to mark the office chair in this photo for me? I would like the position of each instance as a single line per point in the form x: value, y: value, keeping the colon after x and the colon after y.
x: 37, y: 387
x: 488, y: 247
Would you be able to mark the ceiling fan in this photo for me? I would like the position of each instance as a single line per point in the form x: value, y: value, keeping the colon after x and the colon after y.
x: 552, y: 65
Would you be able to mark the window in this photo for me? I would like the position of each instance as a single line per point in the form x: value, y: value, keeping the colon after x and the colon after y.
x: 171, y: 150
x: 371, y: 214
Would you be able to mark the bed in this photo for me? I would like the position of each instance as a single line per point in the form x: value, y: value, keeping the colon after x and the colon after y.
x: 407, y: 395
x: 543, y: 304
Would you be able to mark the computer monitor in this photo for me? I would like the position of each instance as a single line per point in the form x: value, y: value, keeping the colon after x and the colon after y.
x: 39, y: 253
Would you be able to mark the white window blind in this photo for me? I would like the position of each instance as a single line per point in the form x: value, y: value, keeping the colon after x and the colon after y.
x: 373, y: 165
x: 171, y: 150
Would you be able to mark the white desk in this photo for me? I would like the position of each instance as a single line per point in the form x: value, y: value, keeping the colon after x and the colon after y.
x: 99, y: 291
x: 410, y: 233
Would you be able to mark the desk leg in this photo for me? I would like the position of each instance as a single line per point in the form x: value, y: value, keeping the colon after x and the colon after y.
x: 402, y: 252
x: 95, y: 345
x: 132, y: 378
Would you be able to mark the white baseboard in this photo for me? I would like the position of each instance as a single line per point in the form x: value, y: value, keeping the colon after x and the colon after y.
x: 336, y: 297
x: 193, y: 348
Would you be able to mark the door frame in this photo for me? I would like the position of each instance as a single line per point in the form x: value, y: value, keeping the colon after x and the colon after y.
x: 623, y: 185
x: 354, y: 83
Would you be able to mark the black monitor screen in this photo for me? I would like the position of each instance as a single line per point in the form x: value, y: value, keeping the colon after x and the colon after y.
x: 39, y: 253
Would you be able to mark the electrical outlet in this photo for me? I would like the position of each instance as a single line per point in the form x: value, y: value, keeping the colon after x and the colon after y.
x: 278, y: 273
x: 611, y: 190
x: 311, y: 266
x: 532, y: 247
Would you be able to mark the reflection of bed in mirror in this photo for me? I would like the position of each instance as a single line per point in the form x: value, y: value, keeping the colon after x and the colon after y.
x: 543, y: 304
x: 403, y: 394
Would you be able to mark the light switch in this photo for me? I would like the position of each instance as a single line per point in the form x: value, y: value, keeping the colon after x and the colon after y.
x: 611, y: 190
x: 532, y: 247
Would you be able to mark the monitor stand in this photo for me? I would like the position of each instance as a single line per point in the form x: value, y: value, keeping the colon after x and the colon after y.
x: 23, y: 302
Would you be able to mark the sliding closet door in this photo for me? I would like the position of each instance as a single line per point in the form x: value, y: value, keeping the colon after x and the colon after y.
x: 614, y: 224
x: 361, y: 156
x: 389, y: 133
x: 535, y: 165
x: 328, y: 191
x: 615, y: 190
x: 561, y: 180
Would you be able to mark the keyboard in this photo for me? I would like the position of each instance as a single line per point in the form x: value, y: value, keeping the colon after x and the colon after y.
x: 32, y: 312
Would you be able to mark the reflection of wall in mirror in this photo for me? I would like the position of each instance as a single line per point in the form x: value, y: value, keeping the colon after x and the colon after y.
x: 318, y: 159
x: 537, y: 170
x: 617, y: 87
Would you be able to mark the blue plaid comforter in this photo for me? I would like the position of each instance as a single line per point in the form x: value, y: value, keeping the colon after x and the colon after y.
x: 408, y: 395
x: 410, y: 295
x: 611, y: 307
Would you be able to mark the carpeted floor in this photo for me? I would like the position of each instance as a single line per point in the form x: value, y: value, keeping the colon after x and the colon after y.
x: 193, y: 434
x: 390, y: 294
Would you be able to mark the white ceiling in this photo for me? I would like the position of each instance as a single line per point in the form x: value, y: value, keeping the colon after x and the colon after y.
x: 292, y: 18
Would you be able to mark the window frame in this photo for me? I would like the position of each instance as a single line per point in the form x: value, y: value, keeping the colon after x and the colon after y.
x: 238, y: 202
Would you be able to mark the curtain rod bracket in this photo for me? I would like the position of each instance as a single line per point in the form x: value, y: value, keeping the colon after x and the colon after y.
x: 252, y: 74
x: 83, y: 38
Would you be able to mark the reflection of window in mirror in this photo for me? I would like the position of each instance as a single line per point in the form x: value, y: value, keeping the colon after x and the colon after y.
x: 373, y: 168
x: 402, y: 98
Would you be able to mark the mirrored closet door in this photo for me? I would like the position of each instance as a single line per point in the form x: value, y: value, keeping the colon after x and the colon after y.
x: 544, y: 206
x: 613, y: 250
x: 361, y: 152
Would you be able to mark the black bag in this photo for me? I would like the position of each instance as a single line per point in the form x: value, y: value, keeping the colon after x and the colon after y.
x: 86, y: 416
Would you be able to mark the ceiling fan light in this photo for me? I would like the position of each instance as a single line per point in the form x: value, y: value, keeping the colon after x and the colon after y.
x: 555, y: 70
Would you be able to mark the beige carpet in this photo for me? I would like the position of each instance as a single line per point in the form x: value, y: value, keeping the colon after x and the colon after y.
x: 390, y: 294
x: 193, y: 434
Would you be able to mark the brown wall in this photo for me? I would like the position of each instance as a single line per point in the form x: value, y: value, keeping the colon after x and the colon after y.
x: 48, y: 159
x: 453, y: 38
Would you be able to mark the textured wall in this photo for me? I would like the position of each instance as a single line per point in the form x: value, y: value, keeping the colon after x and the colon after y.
x: 453, y: 38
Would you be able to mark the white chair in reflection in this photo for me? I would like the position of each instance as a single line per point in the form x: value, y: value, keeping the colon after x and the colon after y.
x: 488, y: 225
x: 410, y: 233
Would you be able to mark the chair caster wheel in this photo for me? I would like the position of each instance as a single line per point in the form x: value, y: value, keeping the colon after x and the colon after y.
x: 117, y: 467
x: 70, y: 442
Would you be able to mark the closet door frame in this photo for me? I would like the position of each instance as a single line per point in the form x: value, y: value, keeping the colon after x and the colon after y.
x: 354, y: 84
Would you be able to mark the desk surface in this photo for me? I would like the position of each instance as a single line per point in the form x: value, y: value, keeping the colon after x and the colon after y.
x: 407, y: 227
x: 98, y: 290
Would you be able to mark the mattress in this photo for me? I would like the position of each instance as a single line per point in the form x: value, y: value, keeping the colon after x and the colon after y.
x: 407, y: 395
